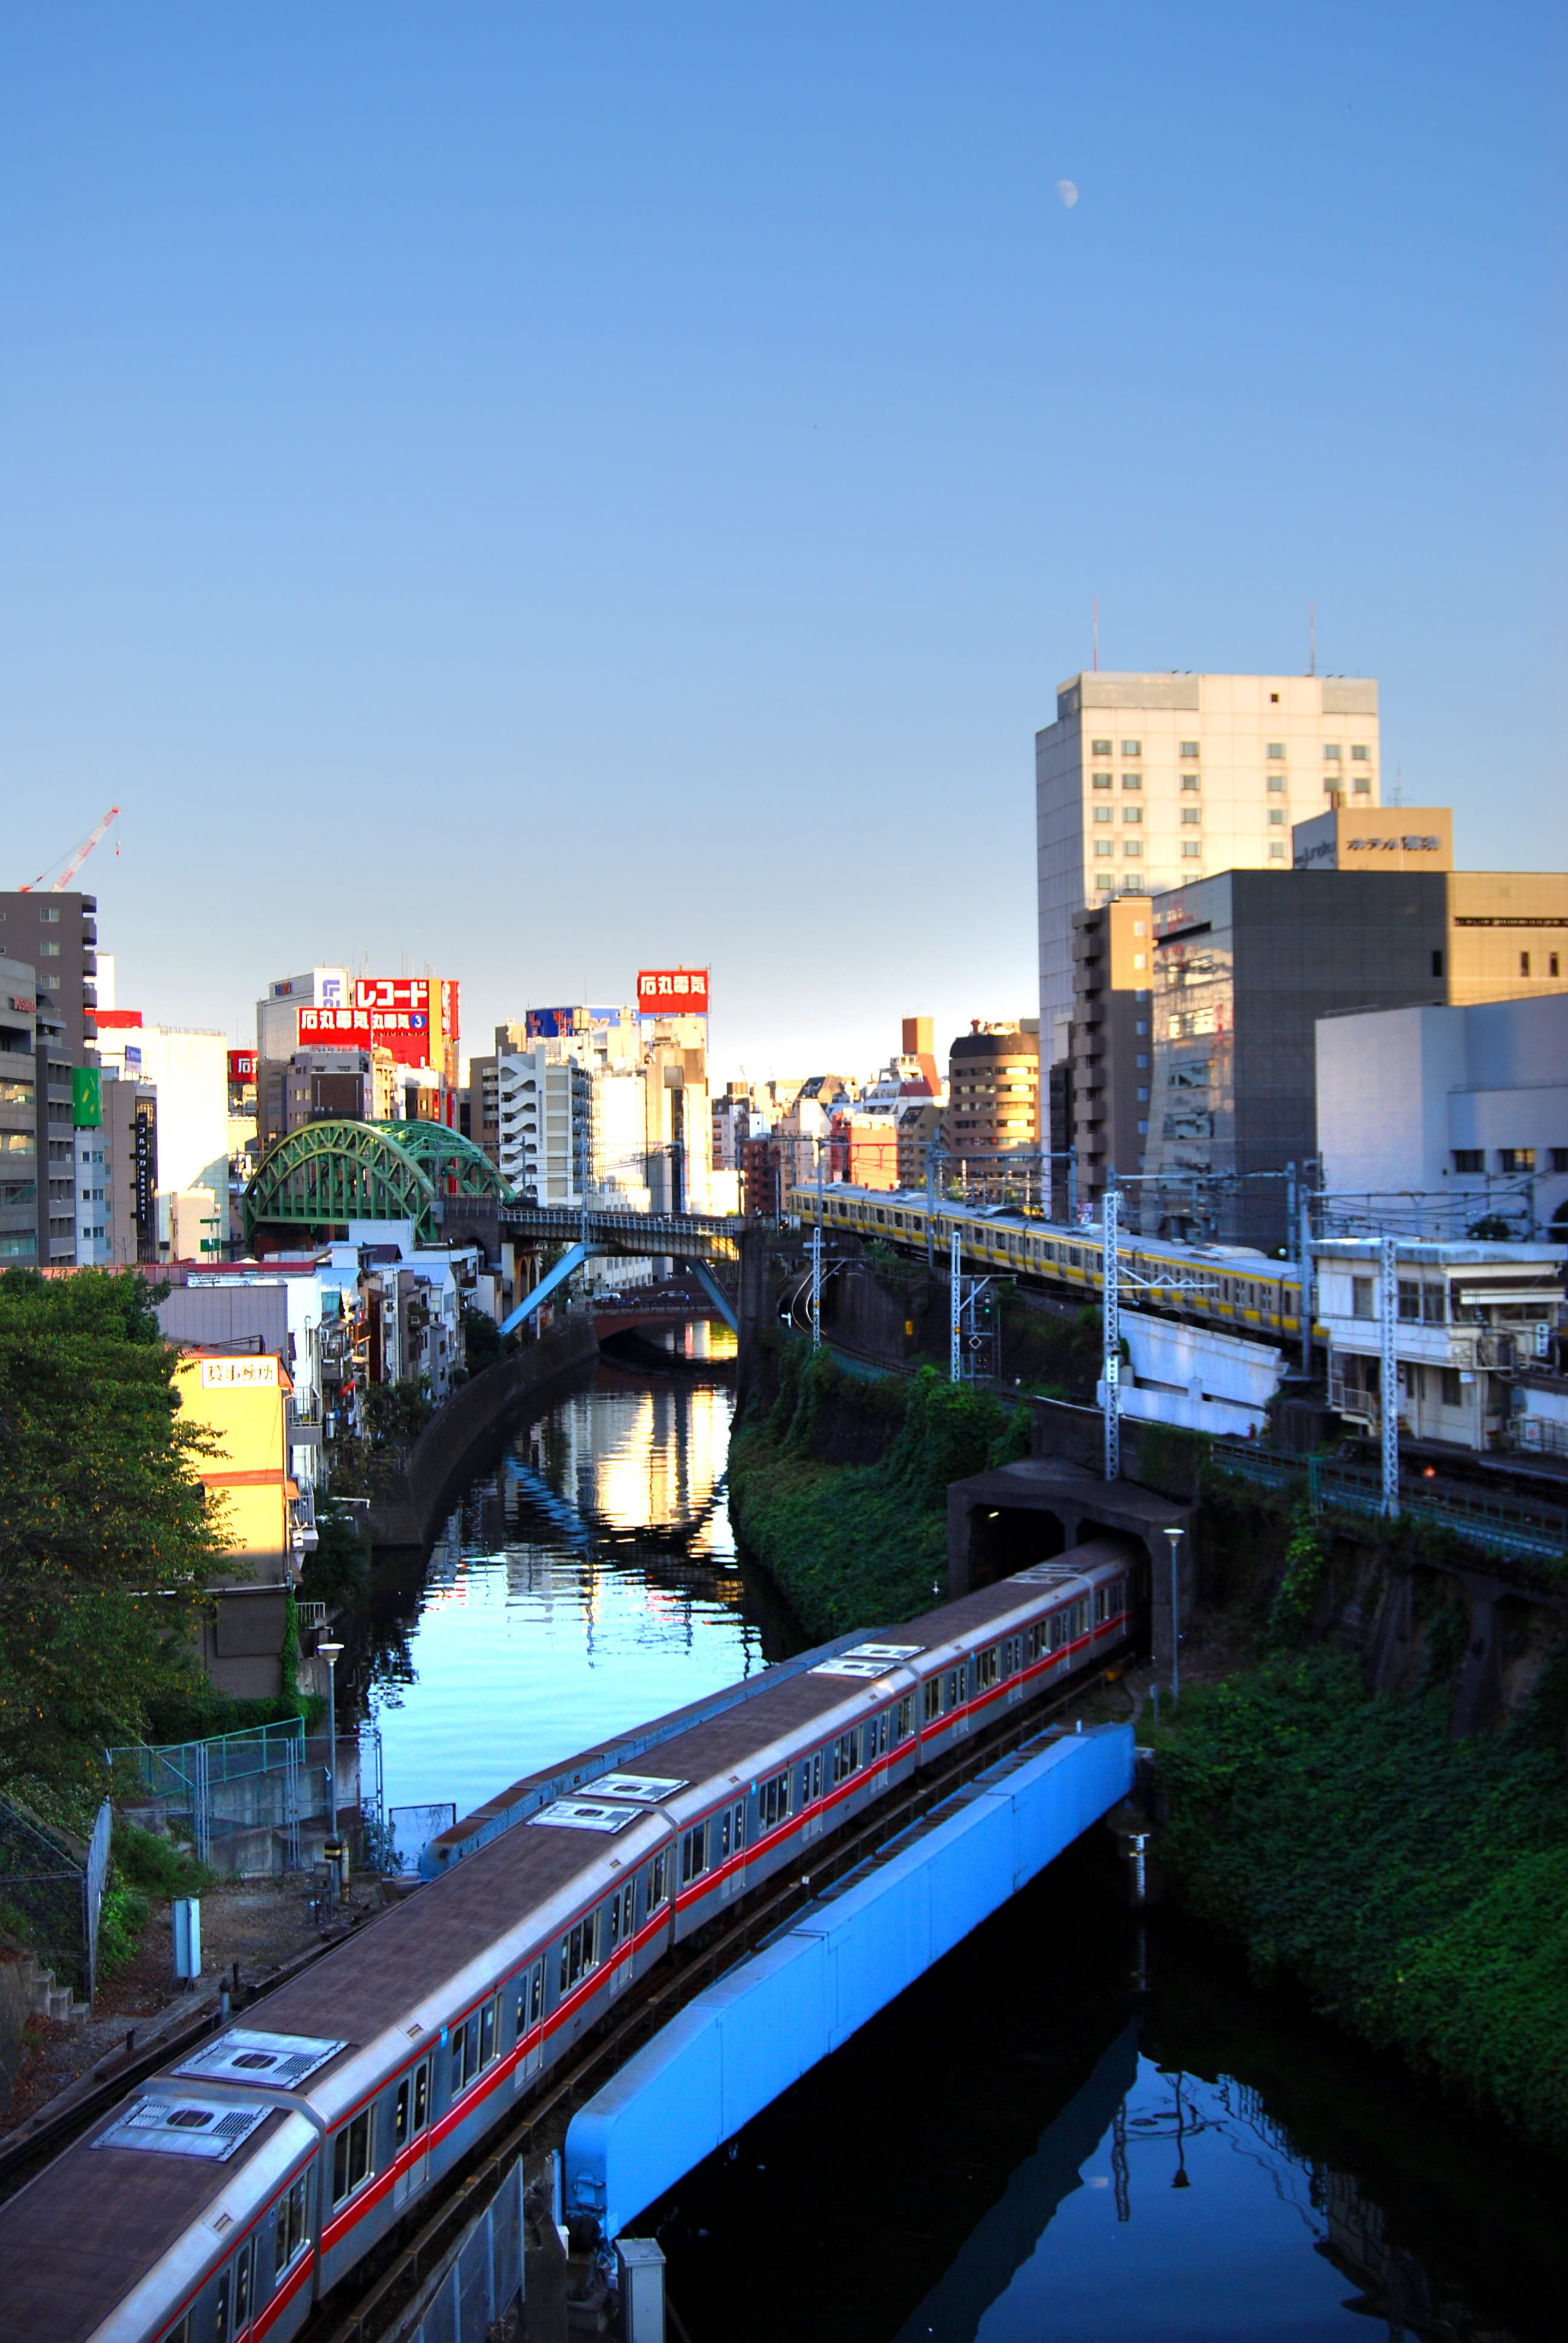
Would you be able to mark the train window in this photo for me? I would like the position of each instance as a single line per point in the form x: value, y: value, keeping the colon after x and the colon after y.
x: 1099, y: 1606
x: 241, y: 2288
x: 400, y: 2112
x: 904, y: 1717
x: 988, y: 1667
x: 658, y: 1880
x: 351, y: 2156
x: 958, y: 1684
x: 488, y: 2031
x: 180, y: 2332
x: 628, y: 1906
x: 773, y: 1801
x: 422, y: 2093
x: 1059, y: 1629
x: 694, y: 1854
x: 465, y: 2054
x: 933, y: 1689
x: 846, y: 1755
x: 878, y: 1730
x: 289, y: 2235
x: 220, y: 2310
x: 530, y: 2008
x: 811, y: 1780
x: 579, y: 1951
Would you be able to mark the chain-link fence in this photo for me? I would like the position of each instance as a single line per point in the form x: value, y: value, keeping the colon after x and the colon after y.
x: 251, y: 1804
x: 52, y: 1892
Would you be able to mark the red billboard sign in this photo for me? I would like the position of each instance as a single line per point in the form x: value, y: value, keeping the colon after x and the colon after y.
x: 242, y: 1065
x: 413, y: 1017
x: 672, y: 992
x: 333, y: 1028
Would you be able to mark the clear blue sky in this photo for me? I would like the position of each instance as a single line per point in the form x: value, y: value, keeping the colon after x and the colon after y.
x: 531, y: 489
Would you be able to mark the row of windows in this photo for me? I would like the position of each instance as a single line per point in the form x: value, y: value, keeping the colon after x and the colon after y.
x: 1361, y: 750
x: 1471, y: 1161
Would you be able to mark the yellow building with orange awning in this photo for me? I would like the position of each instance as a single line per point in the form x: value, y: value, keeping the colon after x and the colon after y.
x: 242, y: 1402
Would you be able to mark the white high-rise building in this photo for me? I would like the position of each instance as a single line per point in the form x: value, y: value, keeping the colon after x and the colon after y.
x: 1145, y: 782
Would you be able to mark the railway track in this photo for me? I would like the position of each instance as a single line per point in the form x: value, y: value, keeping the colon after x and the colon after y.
x: 367, y: 2304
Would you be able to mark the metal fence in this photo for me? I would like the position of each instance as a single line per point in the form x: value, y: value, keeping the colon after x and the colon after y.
x: 250, y: 1803
x: 54, y: 1892
x: 475, y: 2285
x: 1497, y: 1523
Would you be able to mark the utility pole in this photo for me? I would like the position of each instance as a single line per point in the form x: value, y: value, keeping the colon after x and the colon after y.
x: 1388, y: 1299
x: 816, y: 1261
x: 1110, y: 1311
x: 955, y: 1311
x: 1304, y: 1255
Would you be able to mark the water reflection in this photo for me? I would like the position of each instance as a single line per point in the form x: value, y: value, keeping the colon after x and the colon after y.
x: 545, y: 1621
x: 1047, y: 2141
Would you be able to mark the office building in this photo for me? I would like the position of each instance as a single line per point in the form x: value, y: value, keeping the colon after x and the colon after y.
x: 1245, y: 965
x: 19, y: 1117
x: 55, y: 936
x: 993, y: 1096
x: 1109, y: 1070
x: 116, y: 1170
x: 1146, y: 781
x: 1444, y: 1118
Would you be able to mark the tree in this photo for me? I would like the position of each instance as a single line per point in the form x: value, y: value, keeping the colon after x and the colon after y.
x: 107, y: 1537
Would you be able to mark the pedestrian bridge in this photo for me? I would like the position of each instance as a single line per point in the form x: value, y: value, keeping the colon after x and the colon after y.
x: 697, y: 1239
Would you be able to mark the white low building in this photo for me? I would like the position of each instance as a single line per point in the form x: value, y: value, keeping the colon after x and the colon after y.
x: 1467, y: 1106
x: 1471, y: 1319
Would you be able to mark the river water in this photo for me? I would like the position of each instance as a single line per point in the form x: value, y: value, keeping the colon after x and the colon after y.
x: 1079, y: 2127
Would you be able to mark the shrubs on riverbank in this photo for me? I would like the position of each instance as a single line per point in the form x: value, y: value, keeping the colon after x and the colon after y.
x: 1418, y: 1887
x: 859, y: 1543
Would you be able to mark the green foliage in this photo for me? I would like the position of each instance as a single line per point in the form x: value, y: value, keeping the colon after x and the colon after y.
x: 188, y: 1708
x: 107, y: 1538
x: 122, y: 1916
x: 482, y: 1344
x: 1417, y: 1886
x: 1295, y: 1597
x: 854, y: 1545
x: 155, y: 1865
x: 339, y: 1572
x: 397, y: 1413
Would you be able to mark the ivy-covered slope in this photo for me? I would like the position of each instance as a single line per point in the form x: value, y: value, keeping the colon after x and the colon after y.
x: 855, y: 1544
x: 1417, y: 1886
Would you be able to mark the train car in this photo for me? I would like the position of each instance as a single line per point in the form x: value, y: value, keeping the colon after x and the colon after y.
x: 1220, y: 1285
x: 217, y: 2204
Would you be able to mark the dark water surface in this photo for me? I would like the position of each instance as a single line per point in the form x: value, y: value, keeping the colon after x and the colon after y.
x: 1079, y: 2127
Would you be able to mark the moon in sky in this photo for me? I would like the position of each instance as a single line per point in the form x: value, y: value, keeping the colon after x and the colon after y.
x: 1068, y: 192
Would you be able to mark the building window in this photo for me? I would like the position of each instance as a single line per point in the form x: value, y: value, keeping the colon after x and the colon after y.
x: 1191, y: 849
x: 1437, y: 964
x: 1524, y: 963
x: 1332, y: 753
x: 1469, y: 1161
x: 1132, y: 781
x: 1187, y: 749
x: 1276, y: 751
x: 1143, y: 1057
x: 1276, y: 854
x: 1362, y: 789
x: 1189, y: 781
x: 1131, y: 848
x: 1135, y: 814
x: 1143, y: 1098
x: 1102, y: 780
x: 1102, y: 813
x: 1277, y: 817
x: 1191, y: 815
x: 1552, y: 964
x: 1103, y: 878
x: 1133, y: 748
x: 1516, y: 1159
x: 1100, y: 748
x: 1560, y: 1159
x: 1363, y: 1291
x: 1360, y: 751
x: 1105, y: 846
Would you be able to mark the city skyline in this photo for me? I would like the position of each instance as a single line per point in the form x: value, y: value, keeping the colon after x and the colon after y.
x: 440, y: 453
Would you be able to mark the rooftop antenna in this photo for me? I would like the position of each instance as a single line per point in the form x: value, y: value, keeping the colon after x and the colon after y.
x: 1094, y: 627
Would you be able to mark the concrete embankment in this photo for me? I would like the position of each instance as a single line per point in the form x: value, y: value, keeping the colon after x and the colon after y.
x: 409, y: 1503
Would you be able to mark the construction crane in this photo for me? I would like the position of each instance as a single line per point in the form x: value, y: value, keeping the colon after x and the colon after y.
x: 75, y: 861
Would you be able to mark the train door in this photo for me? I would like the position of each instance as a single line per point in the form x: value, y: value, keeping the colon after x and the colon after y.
x: 732, y: 1851
x: 411, y: 2132
x: 530, y: 2030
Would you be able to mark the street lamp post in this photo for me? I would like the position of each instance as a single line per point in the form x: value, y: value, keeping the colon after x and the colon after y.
x: 332, y: 1654
x: 1175, y: 1537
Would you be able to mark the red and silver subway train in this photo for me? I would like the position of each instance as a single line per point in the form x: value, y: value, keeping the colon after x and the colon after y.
x: 224, y: 2198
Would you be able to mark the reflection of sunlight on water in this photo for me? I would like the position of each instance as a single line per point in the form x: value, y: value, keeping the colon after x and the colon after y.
x: 540, y: 1641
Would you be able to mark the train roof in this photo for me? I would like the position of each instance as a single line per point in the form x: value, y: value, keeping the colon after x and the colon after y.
x: 80, y: 2236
